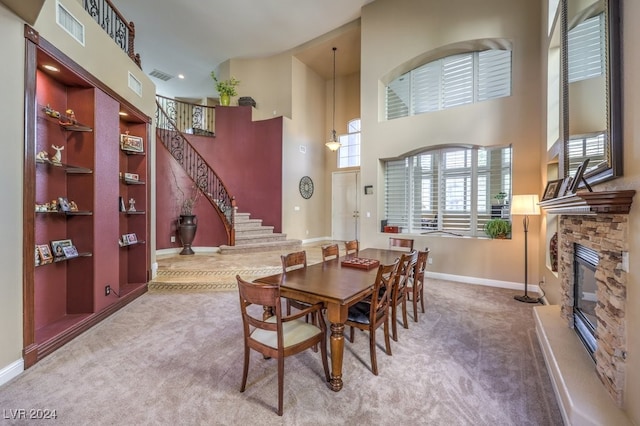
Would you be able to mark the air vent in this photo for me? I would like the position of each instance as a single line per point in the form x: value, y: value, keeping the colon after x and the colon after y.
x: 160, y: 75
x: 135, y: 85
x: 69, y: 23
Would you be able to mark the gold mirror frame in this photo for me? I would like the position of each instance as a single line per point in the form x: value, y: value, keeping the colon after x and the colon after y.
x: 611, y: 166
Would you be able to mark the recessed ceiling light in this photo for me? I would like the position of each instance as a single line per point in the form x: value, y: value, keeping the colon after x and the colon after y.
x: 181, y: 76
x: 51, y: 68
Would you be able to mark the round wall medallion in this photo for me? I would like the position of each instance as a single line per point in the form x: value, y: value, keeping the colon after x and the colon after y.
x: 306, y: 187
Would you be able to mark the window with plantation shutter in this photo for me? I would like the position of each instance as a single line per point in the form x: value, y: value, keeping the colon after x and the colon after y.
x: 449, y: 82
x: 586, y: 49
x: 447, y: 190
x: 397, y: 193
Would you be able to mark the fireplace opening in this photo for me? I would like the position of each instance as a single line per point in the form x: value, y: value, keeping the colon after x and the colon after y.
x: 585, y: 296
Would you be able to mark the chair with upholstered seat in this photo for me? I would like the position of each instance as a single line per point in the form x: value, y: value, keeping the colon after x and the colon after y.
x: 352, y: 247
x: 371, y: 313
x: 330, y: 252
x: 406, y: 267
x: 405, y: 244
x: 415, y: 286
x: 277, y: 336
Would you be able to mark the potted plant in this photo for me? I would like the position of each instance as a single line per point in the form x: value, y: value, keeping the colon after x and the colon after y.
x: 226, y: 88
x: 497, y: 228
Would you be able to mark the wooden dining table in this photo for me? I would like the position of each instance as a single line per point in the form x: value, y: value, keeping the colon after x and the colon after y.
x: 337, y: 287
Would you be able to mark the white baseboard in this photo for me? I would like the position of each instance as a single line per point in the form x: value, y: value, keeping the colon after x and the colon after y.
x: 316, y: 240
x: 482, y: 281
x: 10, y: 371
x: 177, y: 250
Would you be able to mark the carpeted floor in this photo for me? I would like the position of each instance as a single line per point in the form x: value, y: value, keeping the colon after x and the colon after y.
x: 175, y: 357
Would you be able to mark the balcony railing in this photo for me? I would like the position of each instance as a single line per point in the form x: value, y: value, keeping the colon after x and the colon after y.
x: 189, y: 118
x: 114, y: 24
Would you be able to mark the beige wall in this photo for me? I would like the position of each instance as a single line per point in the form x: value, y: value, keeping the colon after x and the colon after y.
x: 11, y: 160
x: 430, y: 25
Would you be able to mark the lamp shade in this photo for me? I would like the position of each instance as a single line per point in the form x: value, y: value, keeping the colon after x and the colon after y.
x: 525, y: 205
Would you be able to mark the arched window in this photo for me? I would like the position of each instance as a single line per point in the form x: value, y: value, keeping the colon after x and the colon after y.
x: 449, y: 82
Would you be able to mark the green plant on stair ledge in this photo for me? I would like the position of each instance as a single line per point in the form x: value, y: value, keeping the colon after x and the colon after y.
x: 497, y: 228
x: 226, y: 88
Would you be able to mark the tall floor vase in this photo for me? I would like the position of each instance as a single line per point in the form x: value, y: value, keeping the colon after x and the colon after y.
x: 187, y: 227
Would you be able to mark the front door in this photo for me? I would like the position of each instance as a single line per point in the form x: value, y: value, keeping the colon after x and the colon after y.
x: 345, y: 205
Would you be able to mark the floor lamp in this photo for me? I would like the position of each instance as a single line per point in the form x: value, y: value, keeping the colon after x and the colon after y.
x: 525, y: 205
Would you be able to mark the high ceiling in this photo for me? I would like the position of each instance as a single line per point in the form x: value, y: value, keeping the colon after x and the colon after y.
x: 193, y: 37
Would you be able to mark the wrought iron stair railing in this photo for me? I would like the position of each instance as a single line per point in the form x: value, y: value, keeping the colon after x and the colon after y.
x: 197, y: 168
x: 189, y: 117
x: 114, y: 23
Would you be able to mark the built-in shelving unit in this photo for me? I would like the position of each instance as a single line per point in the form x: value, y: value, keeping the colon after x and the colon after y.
x: 72, y: 154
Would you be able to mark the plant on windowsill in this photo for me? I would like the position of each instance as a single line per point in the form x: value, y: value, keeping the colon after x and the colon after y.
x: 497, y: 228
x: 226, y: 88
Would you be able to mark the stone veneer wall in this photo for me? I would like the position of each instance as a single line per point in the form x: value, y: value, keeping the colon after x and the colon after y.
x: 607, y: 235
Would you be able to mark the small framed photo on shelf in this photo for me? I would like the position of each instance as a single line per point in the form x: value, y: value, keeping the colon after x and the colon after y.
x: 131, y: 143
x: 563, y: 187
x: 552, y: 189
x: 70, y: 251
x: 45, y: 254
x: 121, y: 205
x: 58, y: 246
x: 128, y: 239
x: 133, y: 177
x: 578, y: 177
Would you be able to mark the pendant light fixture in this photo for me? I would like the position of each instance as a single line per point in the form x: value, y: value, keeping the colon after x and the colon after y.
x: 333, y: 143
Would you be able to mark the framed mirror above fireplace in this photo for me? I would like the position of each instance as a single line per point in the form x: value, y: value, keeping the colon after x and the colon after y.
x: 591, y: 94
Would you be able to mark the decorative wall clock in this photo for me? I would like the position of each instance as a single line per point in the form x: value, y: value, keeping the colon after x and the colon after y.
x: 306, y: 187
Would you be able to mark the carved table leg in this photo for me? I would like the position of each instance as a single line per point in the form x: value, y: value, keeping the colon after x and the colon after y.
x: 337, y: 353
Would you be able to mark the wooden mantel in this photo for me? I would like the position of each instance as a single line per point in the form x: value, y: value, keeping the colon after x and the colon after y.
x: 591, y: 203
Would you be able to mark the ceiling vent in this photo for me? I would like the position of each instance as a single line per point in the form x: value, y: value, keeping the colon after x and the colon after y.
x: 69, y: 23
x: 160, y: 75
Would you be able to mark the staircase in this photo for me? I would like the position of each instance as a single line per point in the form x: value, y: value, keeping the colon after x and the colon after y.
x: 252, y: 237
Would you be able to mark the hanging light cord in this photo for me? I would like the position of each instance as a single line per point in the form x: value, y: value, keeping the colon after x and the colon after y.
x: 333, y: 130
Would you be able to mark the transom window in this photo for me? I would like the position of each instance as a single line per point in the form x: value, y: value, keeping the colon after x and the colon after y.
x: 449, y: 82
x: 349, y: 151
x: 450, y: 190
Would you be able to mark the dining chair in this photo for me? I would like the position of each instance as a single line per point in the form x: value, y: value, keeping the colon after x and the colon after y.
x: 352, y: 247
x: 406, y: 267
x: 290, y: 262
x: 277, y: 336
x: 401, y: 243
x: 373, y: 312
x: 415, y: 285
x: 330, y: 252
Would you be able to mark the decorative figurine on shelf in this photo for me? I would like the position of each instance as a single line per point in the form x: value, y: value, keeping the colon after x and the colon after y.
x: 70, y: 119
x: 57, y: 157
x: 132, y: 205
x: 73, y: 206
x: 53, y: 206
x: 42, y: 155
x: 51, y: 112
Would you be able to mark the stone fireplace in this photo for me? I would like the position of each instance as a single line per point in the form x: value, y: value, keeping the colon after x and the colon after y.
x: 607, y: 235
